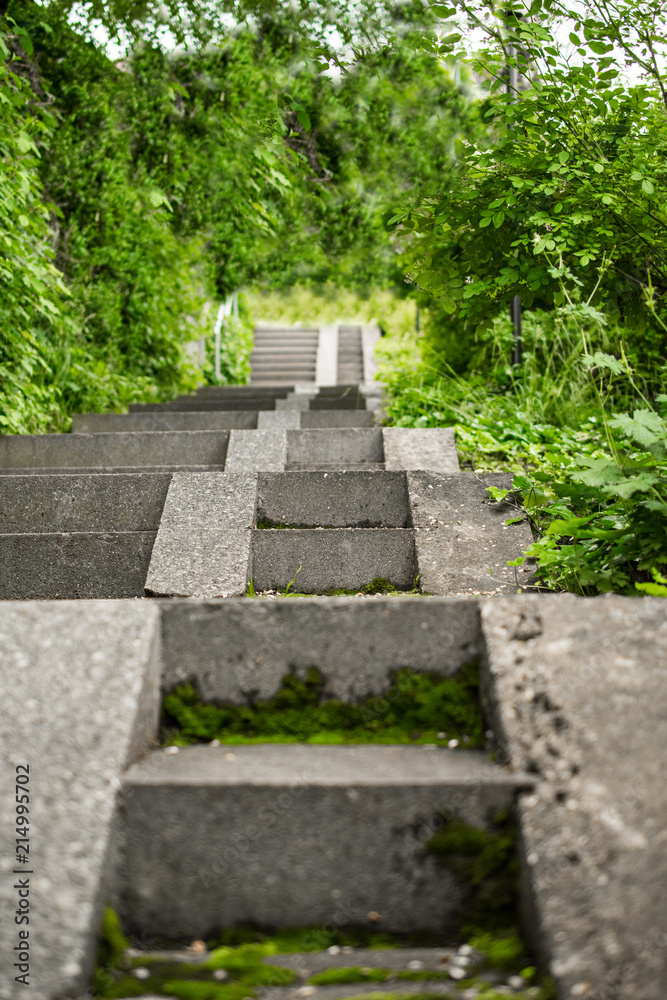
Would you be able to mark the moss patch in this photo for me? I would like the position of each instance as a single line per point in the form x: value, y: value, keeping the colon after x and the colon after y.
x: 417, y: 708
x: 486, y: 860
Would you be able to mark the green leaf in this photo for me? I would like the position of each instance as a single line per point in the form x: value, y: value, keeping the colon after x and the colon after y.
x: 647, y: 187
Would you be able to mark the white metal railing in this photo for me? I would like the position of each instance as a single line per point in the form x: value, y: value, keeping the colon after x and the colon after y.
x: 227, y: 308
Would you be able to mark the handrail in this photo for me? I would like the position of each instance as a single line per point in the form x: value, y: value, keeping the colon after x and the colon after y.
x: 231, y: 304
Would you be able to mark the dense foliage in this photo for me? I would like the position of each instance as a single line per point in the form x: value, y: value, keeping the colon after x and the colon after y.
x: 156, y: 184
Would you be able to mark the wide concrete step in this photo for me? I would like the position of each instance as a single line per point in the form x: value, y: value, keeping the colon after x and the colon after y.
x: 74, y: 565
x: 209, y: 420
x: 338, y: 403
x: 239, y: 649
x: 78, y: 536
x: 288, y: 835
x: 334, y: 500
x: 314, y: 560
x: 213, y: 420
x: 344, y: 445
x: 323, y: 419
x: 203, y: 403
x: 131, y: 449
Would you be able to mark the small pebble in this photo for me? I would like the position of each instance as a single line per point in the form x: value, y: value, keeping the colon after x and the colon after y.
x: 470, y: 994
x: 347, y: 949
x: 230, y: 756
x: 171, y: 749
x: 452, y: 744
x: 333, y: 950
x: 141, y: 973
x: 215, y: 743
x: 374, y: 916
x: 465, y: 949
x: 457, y: 973
x: 220, y: 975
x: 415, y: 964
x: 461, y: 960
x: 442, y: 736
x: 516, y: 982
x: 198, y: 946
x: 305, y: 991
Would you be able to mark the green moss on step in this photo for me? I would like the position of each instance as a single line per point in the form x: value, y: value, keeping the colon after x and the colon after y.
x: 417, y: 708
x: 241, y: 953
x: 487, y: 861
x: 353, y: 974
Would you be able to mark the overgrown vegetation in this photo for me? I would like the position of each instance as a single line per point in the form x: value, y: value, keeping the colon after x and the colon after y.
x: 562, y: 202
x: 416, y: 708
x: 486, y: 861
x: 137, y: 192
x: 234, y: 965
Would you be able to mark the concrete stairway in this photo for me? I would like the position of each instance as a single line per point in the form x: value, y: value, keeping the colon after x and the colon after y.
x: 262, y: 489
x: 284, y: 354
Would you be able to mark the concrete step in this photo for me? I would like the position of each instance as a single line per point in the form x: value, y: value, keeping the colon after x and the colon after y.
x: 333, y: 500
x: 323, y: 419
x: 314, y: 560
x: 238, y: 649
x: 338, y: 403
x: 291, y: 835
x: 342, y: 445
x: 126, y: 450
x: 78, y: 536
x: 209, y: 420
x: 238, y: 390
x: 203, y: 404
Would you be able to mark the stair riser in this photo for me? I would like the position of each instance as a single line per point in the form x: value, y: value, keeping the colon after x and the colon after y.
x: 77, y: 565
x: 331, y: 559
x: 96, y: 423
x: 133, y: 449
x: 199, y: 858
x: 334, y: 500
x: 237, y: 649
x: 82, y: 503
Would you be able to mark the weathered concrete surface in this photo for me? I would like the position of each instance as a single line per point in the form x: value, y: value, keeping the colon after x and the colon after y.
x: 237, y: 648
x: 337, y: 446
x: 203, y: 543
x: 461, y: 541
x: 82, y: 502
x: 133, y: 448
x: 336, y: 418
x: 276, y: 419
x: 293, y: 404
x: 333, y: 499
x: 295, y: 835
x: 577, y: 689
x: 326, y: 365
x: 78, y: 564
x: 370, y: 334
x: 203, y: 404
x: 209, y: 420
x: 331, y: 558
x: 80, y: 686
x: 261, y: 450
x: 431, y: 448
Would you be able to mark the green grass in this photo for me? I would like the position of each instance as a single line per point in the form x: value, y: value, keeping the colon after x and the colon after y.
x: 416, y: 708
